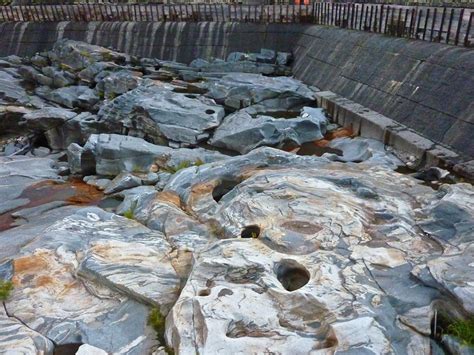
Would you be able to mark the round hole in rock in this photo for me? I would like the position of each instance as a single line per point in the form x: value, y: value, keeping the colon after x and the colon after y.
x: 205, y: 292
x: 66, y: 349
x: 210, y: 112
x: 291, y: 274
x: 223, y: 188
x: 252, y: 231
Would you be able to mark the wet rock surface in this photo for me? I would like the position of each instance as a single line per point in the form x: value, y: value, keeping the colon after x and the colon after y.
x: 217, y: 197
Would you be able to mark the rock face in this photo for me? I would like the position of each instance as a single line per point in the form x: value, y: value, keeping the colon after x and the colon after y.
x: 151, y: 206
x: 242, y: 132
x: 111, y: 154
x: 238, y: 90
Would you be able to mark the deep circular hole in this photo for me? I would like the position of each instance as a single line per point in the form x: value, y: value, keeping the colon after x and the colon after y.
x: 205, y: 292
x: 292, y: 275
x: 250, y: 232
x: 67, y: 349
x: 224, y: 187
x: 210, y: 112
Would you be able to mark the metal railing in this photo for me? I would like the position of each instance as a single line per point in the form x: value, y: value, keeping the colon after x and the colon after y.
x: 446, y: 25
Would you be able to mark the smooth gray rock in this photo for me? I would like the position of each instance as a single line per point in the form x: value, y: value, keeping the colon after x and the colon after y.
x: 112, y: 154
x: 243, y: 133
x: 117, y: 83
x: 16, y: 338
x: 162, y: 115
x: 122, y: 182
x: 74, y: 96
x: 75, y: 56
x: 60, y: 78
x: 237, y: 90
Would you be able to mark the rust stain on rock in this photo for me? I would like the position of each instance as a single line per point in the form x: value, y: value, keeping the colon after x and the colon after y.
x: 74, y: 192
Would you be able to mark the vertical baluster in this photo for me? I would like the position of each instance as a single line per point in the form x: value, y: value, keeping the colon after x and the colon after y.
x: 387, y: 14
x: 426, y: 23
x: 441, y: 26
x: 412, y: 19
x: 461, y: 16
x: 420, y: 15
x: 381, y: 18
x: 451, y: 16
x: 468, y: 29
x: 361, y: 17
x: 371, y: 16
x: 433, y: 21
x: 399, y: 21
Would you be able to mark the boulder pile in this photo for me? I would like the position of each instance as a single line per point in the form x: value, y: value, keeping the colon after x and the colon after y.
x: 153, y: 207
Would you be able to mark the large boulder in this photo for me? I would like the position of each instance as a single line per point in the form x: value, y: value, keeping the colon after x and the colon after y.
x: 158, y: 113
x: 75, y: 56
x: 242, y: 133
x: 238, y: 90
x: 111, y: 154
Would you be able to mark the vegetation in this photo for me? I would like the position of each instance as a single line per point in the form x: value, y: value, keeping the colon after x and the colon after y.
x: 182, y: 165
x: 462, y: 330
x: 6, y: 287
x: 157, y: 321
x: 128, y: 214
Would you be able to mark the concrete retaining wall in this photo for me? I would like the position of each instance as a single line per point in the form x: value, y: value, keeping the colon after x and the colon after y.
x: 428, y: 87
x: 425, y: 86
x: 178, y: 41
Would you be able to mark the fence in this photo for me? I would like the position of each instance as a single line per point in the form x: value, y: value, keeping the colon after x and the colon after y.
x: 447, y: 25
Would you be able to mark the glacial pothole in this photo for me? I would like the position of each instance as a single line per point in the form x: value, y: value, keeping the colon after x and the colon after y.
x: 224, y: 187
x: 252, y: 231
x: 291, y: 274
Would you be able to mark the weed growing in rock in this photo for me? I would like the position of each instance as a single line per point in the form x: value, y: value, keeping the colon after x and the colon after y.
x: 463, y: 330
x: 128, y: 214
x: 6, y: 287
x: 182, y: 165
x: 157, y: 321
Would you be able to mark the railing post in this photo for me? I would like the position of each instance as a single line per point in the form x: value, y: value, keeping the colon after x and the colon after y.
x: 441, y: 26
x: 426, y: 23
x: 435, y: 12
x: 461, y: 17
x: 468, y: 29
x: 451, y: 16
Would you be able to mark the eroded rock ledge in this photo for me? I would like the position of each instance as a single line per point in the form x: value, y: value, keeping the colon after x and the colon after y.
x: 227, y: 202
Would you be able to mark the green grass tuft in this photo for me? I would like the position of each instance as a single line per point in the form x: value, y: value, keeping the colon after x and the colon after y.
x: 6, y: 287
x: 463, y: 330
x: 157, y: 321
x: 128, y: 214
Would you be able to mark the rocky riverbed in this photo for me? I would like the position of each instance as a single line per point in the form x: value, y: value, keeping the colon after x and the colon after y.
x: 156, y: 207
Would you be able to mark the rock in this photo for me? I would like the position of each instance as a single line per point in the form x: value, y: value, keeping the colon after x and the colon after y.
x: 86, y: 349
x: 266, y: 56
x: 465, y: 169
x: 99, y: 247
x: 39, y: 61
x: 47, y: 118
x: 243, y: 133
x: 97, y: 181
x: 112, y: 154
x: 117, y: 83
x: 284, y: 58
x: 41, y: 152
x: 60, y: 78
x: 249, y: 296
x: 121, y: 182
x: 358, y: 150
x: 161, y: 114
x: 16, y: 338
x: 239, y: 90
x: 432, y: 174
x: 76, y: 56
x: 74, y: 96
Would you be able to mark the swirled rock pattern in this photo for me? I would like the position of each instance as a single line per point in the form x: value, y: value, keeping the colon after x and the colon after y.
x: 152, y: 207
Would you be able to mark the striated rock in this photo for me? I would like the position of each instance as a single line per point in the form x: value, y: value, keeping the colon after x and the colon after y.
x: 162, y: 115
x: 103, y: 249
x: 111, y: 154
x: 243, y: 133
x: 117, y: 83
x: 121, y: 182
x: 16, y: 338
x: 238, y: 90
x: 75, y: 56
x: 73, y: 96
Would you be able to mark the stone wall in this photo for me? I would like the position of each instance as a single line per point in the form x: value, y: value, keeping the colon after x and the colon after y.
x: 179, y: 41
x: 427, y: 87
